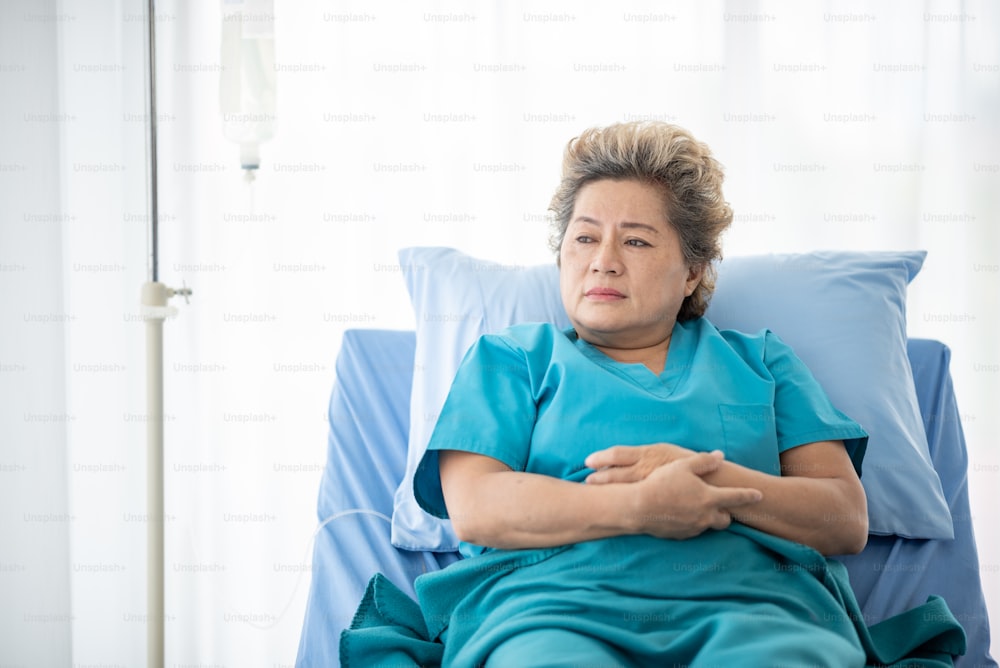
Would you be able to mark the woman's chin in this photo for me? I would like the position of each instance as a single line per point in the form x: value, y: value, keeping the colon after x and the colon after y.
x: 601, y: 332
x: 619, y: 333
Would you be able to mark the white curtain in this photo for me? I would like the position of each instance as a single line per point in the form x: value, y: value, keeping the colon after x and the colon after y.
x: 841, y: 125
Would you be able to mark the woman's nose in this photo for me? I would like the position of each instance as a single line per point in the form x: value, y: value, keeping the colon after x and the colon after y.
x: 607, y: 258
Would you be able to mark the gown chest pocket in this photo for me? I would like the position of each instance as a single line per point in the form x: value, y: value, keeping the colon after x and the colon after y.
x: 750, y: 436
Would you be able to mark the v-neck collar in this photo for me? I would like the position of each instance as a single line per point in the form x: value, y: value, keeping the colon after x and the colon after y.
x: 678, y: 362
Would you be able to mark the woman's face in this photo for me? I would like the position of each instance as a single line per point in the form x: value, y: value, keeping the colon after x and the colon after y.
x: 622, y: 275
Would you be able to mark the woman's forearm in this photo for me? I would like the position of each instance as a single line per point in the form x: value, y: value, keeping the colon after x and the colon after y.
x: 512, y: 510
x: 827, y: 514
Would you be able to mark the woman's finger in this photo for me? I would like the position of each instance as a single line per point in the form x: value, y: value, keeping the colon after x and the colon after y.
x: 703, y: 463
x: 618, y: 455
x: 731, y: 497
x: 614, y: 474
x: 721, y: 520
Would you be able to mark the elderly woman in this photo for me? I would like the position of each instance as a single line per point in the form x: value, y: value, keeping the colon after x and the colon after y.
x: 642, y: 489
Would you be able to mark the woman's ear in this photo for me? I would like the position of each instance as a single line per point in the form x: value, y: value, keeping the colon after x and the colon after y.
x: 694, y: 278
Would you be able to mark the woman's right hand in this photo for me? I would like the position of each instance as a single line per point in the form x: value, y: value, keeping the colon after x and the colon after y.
x: 674, y: 501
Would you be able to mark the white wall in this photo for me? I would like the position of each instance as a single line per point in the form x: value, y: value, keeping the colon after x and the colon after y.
x: 35, y: 516
x: 401, y: 124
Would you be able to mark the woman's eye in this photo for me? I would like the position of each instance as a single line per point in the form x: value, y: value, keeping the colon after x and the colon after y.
x: 584, y: 239
x: 636, y: 242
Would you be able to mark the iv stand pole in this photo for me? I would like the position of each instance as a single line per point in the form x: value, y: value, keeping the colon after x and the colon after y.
x: 153, y: 298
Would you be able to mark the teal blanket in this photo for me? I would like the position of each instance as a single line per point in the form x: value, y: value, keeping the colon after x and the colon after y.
x: 737, y: 597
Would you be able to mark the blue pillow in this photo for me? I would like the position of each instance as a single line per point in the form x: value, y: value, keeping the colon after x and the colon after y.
x: 456, y: 298
x: 844, y: 313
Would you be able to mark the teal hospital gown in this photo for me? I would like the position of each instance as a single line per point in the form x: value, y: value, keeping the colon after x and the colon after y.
x: 541, y: 400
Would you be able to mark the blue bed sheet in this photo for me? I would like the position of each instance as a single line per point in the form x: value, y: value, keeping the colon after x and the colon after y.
x: 369, y: 418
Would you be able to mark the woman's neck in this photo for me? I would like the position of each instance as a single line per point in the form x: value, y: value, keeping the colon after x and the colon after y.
x: 654, y: 357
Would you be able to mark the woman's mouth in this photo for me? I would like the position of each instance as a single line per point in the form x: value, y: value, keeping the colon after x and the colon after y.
x: 603, y: 294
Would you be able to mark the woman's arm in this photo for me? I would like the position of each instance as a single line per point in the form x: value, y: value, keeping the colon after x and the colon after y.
x: 817, y: 500
x: 491, y: 505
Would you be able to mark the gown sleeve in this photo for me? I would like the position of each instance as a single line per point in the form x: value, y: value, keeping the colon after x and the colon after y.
x: 490, y: 410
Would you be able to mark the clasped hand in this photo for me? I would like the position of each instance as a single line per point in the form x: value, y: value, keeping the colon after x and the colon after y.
x: 673, y: 499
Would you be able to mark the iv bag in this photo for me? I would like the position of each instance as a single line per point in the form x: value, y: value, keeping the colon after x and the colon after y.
x: 247, y: 85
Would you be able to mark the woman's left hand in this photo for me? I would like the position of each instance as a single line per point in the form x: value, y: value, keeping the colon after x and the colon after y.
x: 631, y: 463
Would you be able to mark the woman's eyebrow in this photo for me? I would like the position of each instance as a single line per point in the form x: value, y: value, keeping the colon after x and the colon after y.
x: 629, y: 225
x: 640, y: 226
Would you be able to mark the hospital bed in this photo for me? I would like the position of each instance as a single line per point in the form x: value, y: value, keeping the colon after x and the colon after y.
x: 369, y: 417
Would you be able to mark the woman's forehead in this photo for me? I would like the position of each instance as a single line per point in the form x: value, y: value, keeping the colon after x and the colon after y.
x: 628, y: 203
